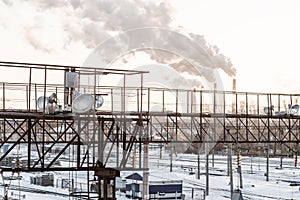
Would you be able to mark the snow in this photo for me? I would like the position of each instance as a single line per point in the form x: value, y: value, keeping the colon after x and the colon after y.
x: 255, y: 185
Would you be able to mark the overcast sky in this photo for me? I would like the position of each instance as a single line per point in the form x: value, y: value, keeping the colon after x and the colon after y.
x: 259, y: 39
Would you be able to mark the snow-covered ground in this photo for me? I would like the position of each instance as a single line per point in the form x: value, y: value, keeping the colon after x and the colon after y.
x: 254, y: 181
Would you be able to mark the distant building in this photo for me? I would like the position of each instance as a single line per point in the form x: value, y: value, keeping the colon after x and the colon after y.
x: 159, y: 188
x: 165, y: 190
x: 43, y: 179
x: 134, y: 183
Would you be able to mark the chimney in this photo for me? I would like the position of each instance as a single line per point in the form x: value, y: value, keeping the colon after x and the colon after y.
x: 234, y: 85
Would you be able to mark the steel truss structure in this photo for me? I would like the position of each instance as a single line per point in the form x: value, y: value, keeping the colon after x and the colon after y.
x: 117, y: 136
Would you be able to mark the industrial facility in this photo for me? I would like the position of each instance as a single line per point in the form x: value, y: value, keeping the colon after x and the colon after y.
x: 62, y: 119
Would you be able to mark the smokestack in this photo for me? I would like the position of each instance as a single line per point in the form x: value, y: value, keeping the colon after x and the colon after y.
x: 234, y: 85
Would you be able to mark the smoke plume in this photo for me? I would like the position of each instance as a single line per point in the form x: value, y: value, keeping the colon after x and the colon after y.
x: 95, y: 22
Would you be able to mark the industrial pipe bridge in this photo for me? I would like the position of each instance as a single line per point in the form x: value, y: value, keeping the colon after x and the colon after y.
x: 117, y: 135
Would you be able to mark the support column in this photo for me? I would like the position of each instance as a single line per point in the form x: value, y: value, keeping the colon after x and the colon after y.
x: 107, y: 191
x: 230, y: 168
x: 267, y: 164
x: 146, y: 172
x: 207, y: 173
x: 198, y: 159
x: 239, y: 165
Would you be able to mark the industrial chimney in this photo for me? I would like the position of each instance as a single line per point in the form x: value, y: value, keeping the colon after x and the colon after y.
x: 234, y: 85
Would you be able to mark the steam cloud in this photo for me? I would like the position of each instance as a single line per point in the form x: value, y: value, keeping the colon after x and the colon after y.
x: 93, y: 22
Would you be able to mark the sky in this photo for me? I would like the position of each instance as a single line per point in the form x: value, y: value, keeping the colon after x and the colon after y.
x: 257, y: 42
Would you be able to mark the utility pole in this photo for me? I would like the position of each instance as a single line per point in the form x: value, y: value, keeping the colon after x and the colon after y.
x: 146, y: 172
x: 207, y: 173
x: 296, y: 159
x: 240, y: 168
x: 171, y: 158
x: 267, y: 165
x: 198, y: 159
x: 230, y: 168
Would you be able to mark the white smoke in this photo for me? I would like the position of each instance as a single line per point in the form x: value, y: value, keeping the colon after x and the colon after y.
x: 93, y: 22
